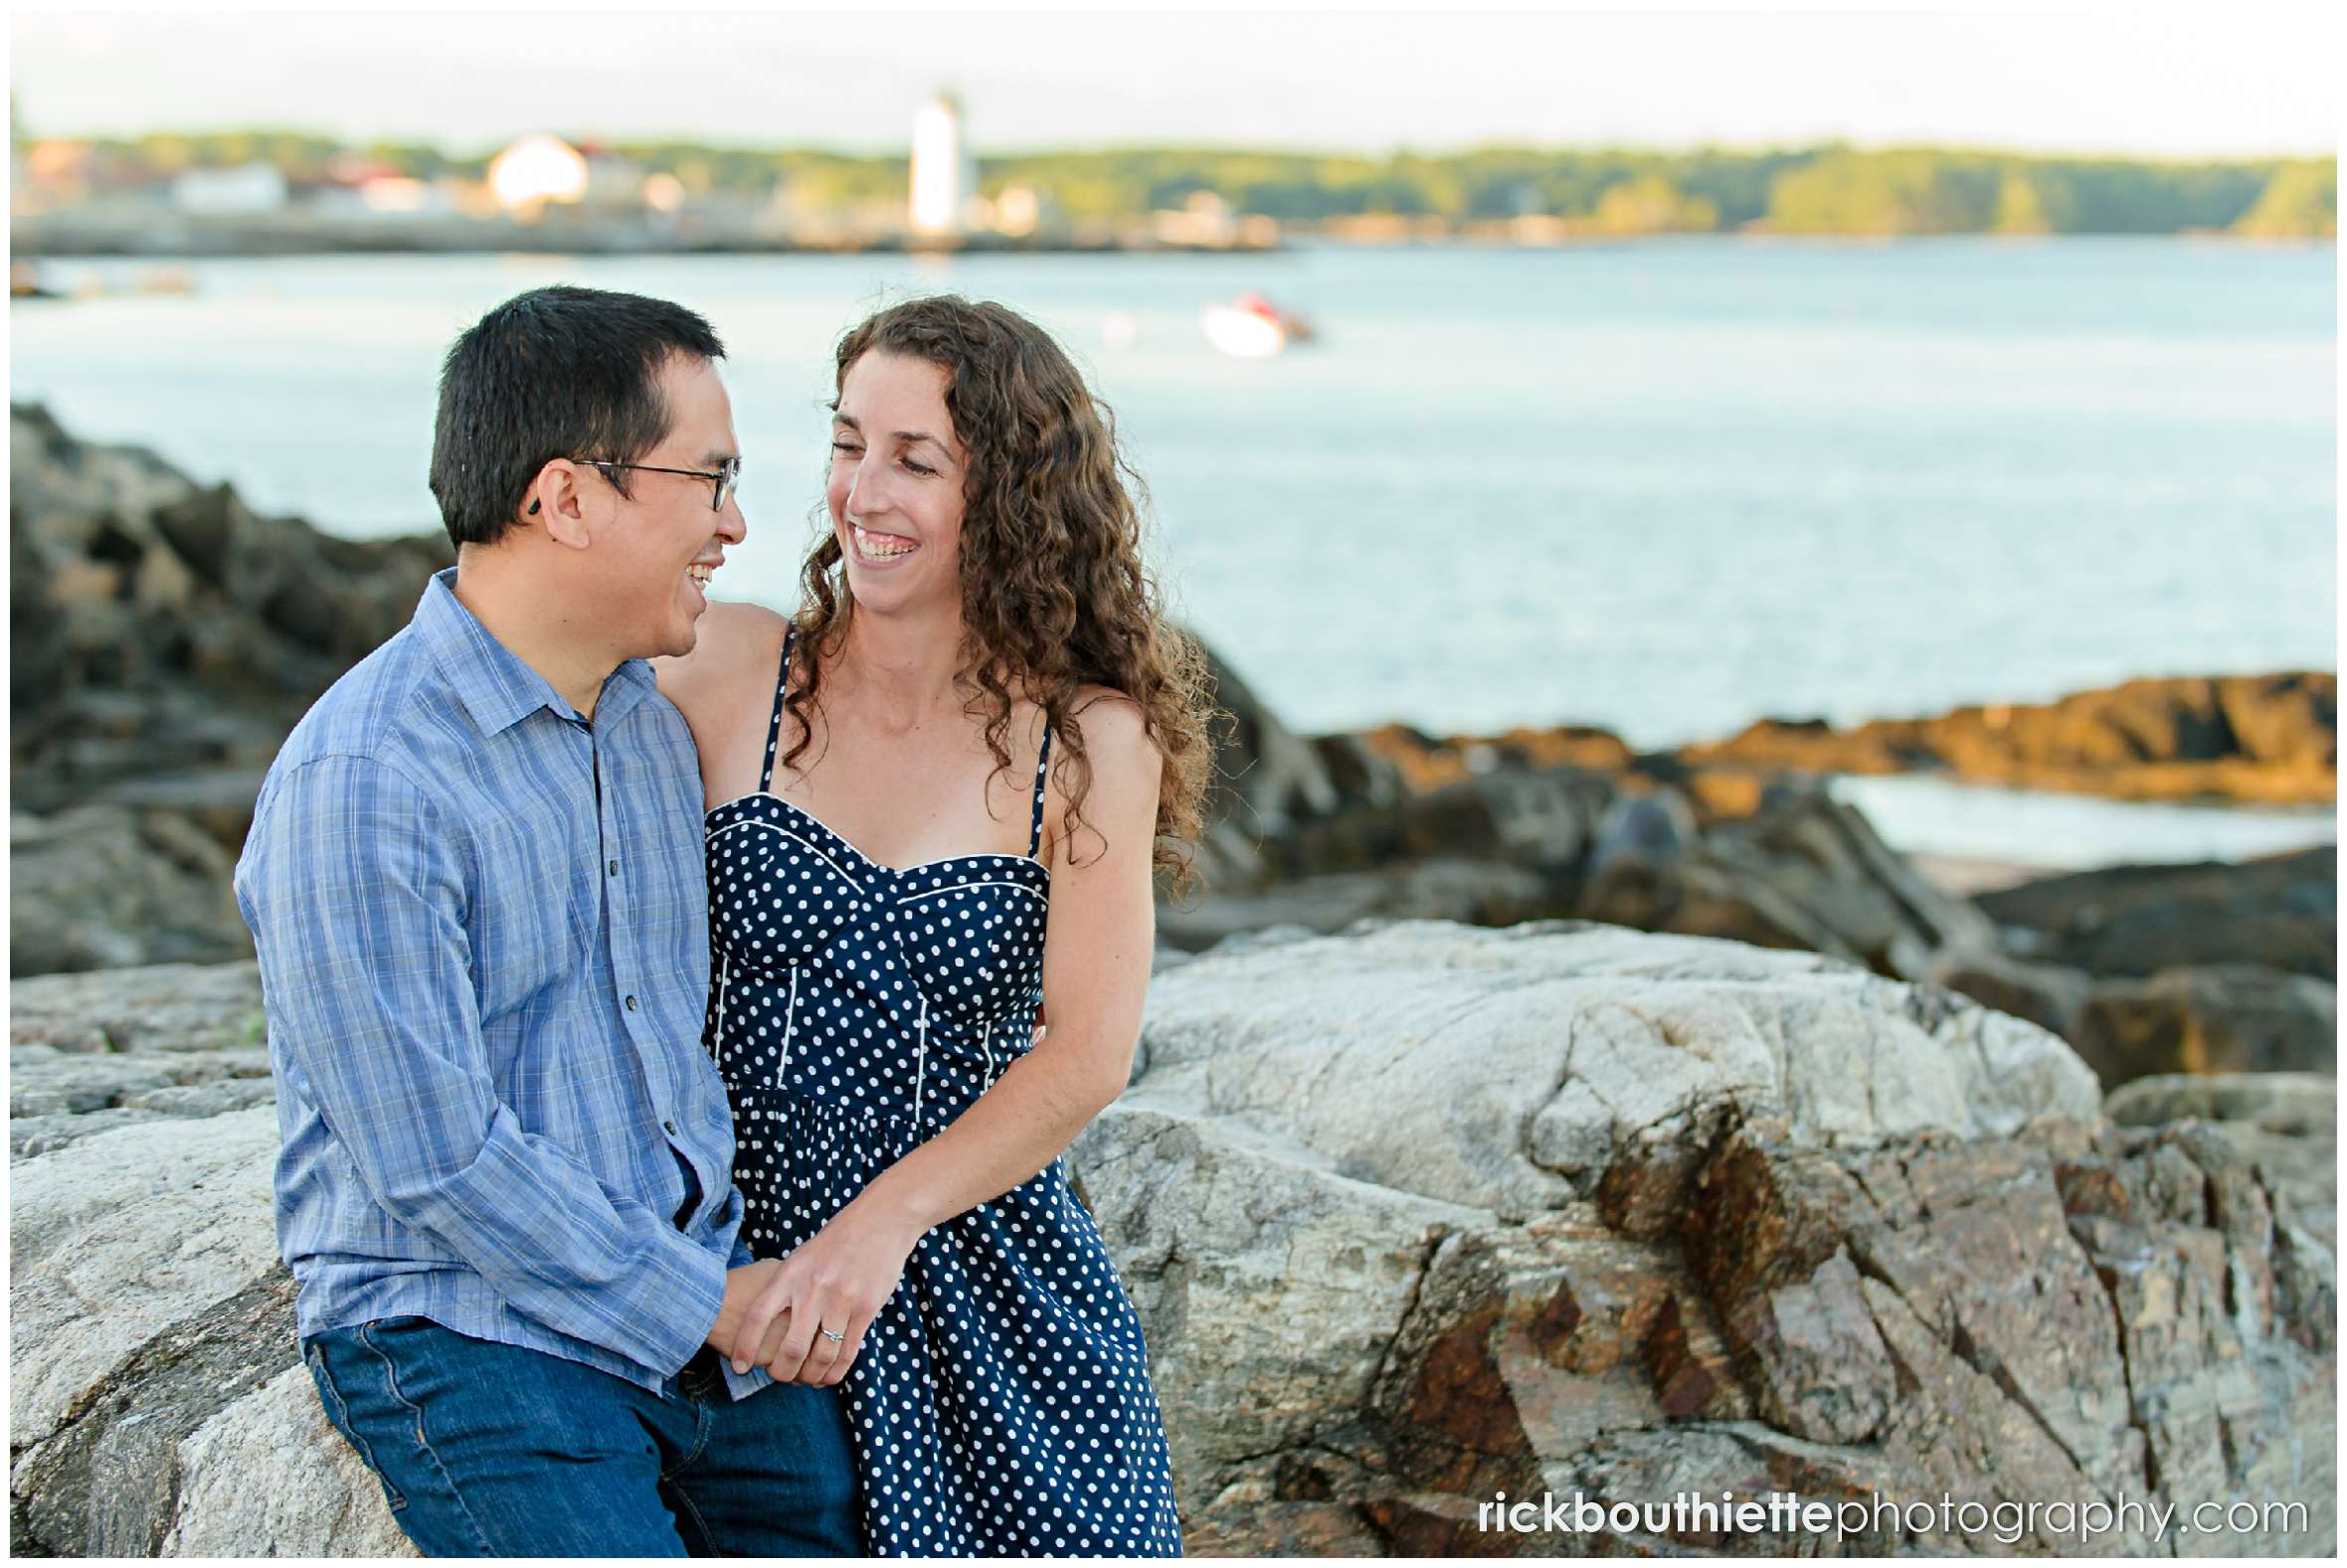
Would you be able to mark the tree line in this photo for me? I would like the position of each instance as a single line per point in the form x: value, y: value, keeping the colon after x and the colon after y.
x: 1830, y: 189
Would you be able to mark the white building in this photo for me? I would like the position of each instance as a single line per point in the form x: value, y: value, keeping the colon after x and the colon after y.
x: 945, y: 175
x: 393, y: 195
x: 254, y: 188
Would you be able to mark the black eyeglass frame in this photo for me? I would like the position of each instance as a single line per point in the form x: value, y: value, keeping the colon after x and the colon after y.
x: 727, y: 478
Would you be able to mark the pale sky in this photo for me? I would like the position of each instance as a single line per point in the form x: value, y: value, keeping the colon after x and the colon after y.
x: 2213, y: 79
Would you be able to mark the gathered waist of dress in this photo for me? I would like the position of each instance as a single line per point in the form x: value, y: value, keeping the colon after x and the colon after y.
x: 904, y: 1063
x: 894, y: 1127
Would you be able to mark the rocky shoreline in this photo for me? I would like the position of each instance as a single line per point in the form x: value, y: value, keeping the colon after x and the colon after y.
x: 2241, y: 740
x: 2143, y: 969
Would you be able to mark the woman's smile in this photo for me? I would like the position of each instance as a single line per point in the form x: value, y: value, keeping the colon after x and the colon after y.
x: 879, y: 549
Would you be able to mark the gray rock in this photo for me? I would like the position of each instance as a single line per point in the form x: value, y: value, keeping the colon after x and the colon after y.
x: 43, y: 1135
x: 2222, y: 1018
x: 79, y: 1083
x: 107, y: 1484
x: 50, y: 474
x: 2287, y: 1104
x: 1359, y: 774
x: 1472, y: 892
x: 2285, y: 1123
x: 1591, y: 1046
x: 1268, y: 1285
x: 1805, y: 871
x: 178, y: 1007
x: 1542, y: 822
x: 107, y: 887
x: 217, y: 800
x: 122, y: 1234
x: 2278, y: 911
x: 1651, y: 829
x: 2236, y: 1021
x: 2047, y: 994
x: 165, y: 639
x: 1268, y: 777
x: 321, y: 1500
x: 203, y: 1100
x: 76, y: 1085
x: 147, y: 1080
x: 1411, y: 1215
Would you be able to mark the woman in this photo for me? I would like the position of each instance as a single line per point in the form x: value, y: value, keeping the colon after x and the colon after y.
x: 937, y: 799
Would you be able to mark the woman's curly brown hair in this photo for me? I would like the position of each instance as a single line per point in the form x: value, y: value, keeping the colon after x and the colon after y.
x: 1054, y: 591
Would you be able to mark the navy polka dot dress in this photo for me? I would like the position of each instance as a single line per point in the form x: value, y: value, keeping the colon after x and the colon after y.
x: 1002, y: 1404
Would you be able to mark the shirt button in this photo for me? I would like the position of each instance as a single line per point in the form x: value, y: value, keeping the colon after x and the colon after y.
x: 613, y: 869
x: 631, y: 1004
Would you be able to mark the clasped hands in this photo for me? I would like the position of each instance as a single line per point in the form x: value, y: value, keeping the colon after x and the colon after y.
x: 776, y: 1309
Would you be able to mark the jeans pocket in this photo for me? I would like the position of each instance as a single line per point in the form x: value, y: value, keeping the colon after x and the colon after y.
x: 338, y: 1414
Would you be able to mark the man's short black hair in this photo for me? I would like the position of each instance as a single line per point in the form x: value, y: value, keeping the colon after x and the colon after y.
x: 558, y: 372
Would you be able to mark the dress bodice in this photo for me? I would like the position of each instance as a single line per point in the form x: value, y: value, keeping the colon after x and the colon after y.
x: 899, y: 994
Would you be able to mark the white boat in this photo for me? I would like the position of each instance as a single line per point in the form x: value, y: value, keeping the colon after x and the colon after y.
x: 1251, y: 327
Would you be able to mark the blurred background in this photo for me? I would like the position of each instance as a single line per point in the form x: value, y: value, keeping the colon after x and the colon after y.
x: 1800, y: 477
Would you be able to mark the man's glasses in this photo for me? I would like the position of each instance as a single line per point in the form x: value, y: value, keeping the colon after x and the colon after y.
x: 725, y: 478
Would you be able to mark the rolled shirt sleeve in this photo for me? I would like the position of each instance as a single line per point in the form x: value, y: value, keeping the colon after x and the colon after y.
x: 355, y: 892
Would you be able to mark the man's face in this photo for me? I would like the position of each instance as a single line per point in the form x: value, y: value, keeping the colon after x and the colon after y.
x: 662, y: 537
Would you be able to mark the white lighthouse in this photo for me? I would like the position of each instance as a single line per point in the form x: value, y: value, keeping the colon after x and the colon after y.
x: 945, y: 176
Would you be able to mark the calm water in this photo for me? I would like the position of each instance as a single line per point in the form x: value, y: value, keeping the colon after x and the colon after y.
x: 2060, y: 832
x: 1665, y: 487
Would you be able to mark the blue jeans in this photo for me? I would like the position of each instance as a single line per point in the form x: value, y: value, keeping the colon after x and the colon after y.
x: 489, y: 1449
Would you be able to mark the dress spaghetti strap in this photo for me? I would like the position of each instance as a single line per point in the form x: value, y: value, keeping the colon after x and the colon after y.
x: 774, y: 726
x: 1042, y: 772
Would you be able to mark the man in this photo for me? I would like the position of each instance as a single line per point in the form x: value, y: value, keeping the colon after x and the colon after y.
x: 476, y: 881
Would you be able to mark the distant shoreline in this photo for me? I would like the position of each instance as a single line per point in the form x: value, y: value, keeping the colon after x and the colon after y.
x: 170, y: 237
x: 153, y: 242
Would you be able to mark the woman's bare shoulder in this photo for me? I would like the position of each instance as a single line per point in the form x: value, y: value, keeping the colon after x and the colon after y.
x: 1114, y: 725
x: 1106, y: 709
x: 1122, y: 764
x: 733, y: 640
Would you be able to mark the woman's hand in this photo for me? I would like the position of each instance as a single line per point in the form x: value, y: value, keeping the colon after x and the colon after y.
x: 839, y: 1279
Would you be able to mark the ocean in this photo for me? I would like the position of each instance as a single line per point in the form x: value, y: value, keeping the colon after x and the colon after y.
x: 1667, y: 486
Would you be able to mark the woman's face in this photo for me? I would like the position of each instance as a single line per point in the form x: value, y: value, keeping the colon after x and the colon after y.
x: 895, y: 491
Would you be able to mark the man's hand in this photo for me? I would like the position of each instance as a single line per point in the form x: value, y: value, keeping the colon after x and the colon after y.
x: 742, y: 1287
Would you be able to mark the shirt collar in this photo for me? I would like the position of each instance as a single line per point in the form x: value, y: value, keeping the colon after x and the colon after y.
x: 496, y: 688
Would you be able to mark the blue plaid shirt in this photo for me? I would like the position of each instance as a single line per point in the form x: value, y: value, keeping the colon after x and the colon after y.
x: 483, y: 936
